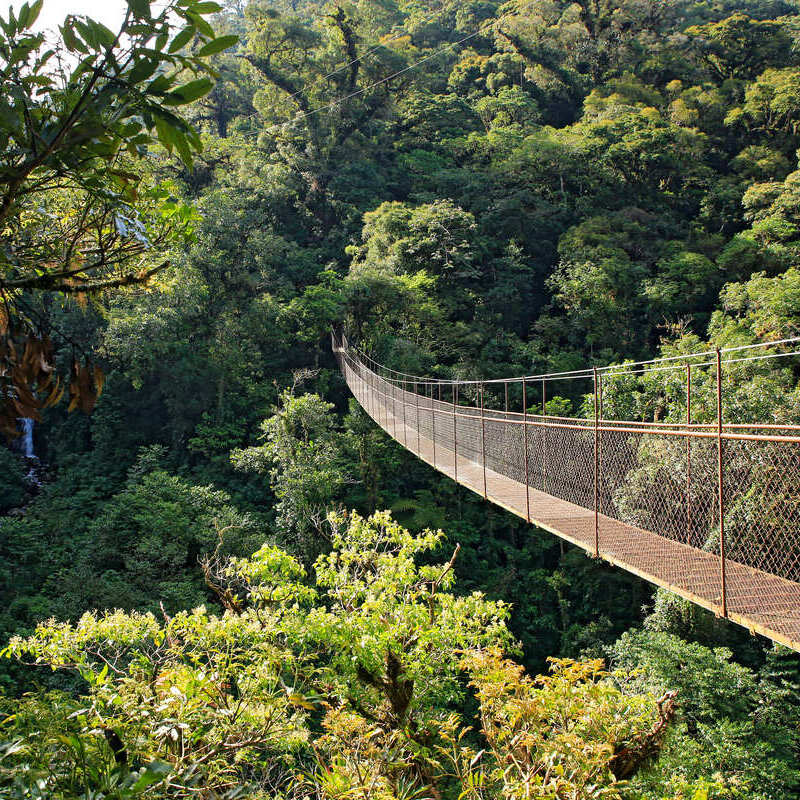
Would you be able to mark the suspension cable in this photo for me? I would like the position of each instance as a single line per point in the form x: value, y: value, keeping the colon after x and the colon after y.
x: 632, y: 369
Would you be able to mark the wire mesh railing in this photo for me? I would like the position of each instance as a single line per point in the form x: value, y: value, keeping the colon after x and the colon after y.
x: 702, y: 500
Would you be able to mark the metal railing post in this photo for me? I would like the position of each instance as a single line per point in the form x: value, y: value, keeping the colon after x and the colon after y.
x: 394, y: 408
x: 394, y: 411
x: 440, y: 392
x: 483, y: 444
x: 369, y: 386
x: 358, y: 370
x: 433, y: 428
x: 505, y: 421
x: 385, y: 403
x: 366, y: 386
x: 721, y: 490
x: 455, y: 432
x: 405, y: 427
x: 596, y: 467
x: 600, y: 445
x: 416, y: 402
x: 544, y: 435
x: 525, y: 435
x: 380, y: 399
x: 688, y: 454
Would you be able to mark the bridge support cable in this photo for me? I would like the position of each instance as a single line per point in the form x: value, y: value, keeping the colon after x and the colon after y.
x: 696, y: 500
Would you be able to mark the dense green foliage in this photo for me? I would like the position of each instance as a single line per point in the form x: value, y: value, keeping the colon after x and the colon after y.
x: 340, y: 689
x: 473, y: 188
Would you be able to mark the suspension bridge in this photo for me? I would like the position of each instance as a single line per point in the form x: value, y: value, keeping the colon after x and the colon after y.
x: 695, y: 500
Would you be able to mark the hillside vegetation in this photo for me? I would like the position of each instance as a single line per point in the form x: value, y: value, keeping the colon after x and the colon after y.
x: 218, y: 578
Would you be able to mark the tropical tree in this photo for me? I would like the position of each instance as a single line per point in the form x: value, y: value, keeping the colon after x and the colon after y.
x: 303, y: 455
x: 78, y: 214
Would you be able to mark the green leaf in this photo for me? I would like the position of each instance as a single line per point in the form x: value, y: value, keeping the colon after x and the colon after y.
x: 200, y: 24
x: 193, y: 137
x: 156, y: 771
x: 33, y: 15
x: 22, y: 19
x: 142, y: 70
x: 104, y: 35
x: 218, y: 45
x: 24, y: 49
x: 71, y: 40
x: 167, y: 134
x: 45, y: 57
x: 159, y: 85
x: 189, y: 92
x: 182, y: 39
x: 89, y: 34
x: 141, y: 29
x: 182, y: 146
x: 140, y: 8
x: 207, y: 7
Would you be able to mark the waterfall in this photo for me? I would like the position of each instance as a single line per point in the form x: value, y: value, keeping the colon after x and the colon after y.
x: 27, y: 438
x: 27, y: 449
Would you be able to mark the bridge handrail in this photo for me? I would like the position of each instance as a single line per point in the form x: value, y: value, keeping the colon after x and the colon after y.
x: 741, y: 431
x: 681, y: 430
x: 608, y: 370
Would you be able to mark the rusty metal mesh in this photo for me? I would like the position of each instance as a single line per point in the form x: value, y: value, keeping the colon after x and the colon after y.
x: 644, y: 495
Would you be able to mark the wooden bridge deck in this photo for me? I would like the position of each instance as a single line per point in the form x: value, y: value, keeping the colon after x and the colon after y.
x: 760, y: 601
